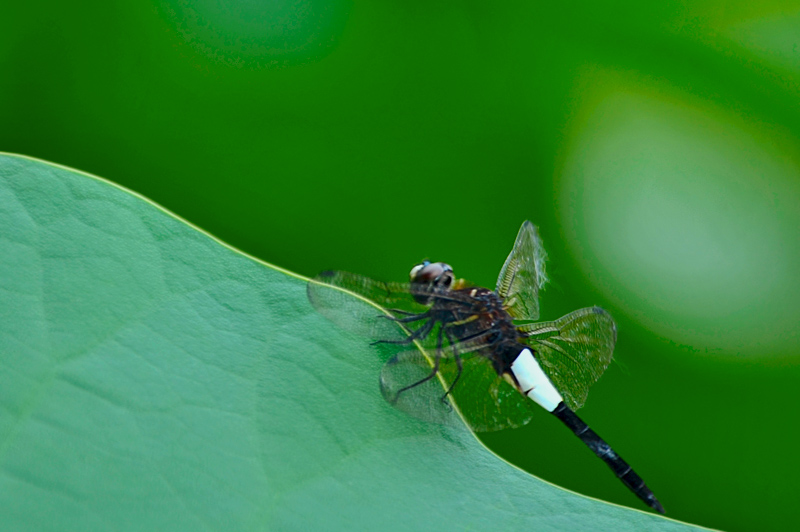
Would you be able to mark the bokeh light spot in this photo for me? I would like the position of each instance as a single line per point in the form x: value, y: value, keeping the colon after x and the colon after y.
x: 687, y: 219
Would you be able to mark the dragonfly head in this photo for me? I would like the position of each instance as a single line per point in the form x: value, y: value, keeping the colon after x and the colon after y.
x: 428, y: 277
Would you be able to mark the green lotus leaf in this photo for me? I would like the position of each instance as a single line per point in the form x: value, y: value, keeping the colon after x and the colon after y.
x: 153, y: 378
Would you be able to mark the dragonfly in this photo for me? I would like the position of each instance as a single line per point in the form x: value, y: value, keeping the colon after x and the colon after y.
x: 483, y: 348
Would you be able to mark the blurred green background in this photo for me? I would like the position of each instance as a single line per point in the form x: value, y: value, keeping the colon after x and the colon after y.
x: 656, y: 146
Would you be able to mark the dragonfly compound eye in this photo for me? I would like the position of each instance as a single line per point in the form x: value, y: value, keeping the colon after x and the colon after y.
x: 437, y: 273
x: 429, y: 276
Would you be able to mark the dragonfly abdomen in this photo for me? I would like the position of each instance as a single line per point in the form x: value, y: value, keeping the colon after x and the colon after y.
x: 604, y: 451
x: 529, y: 379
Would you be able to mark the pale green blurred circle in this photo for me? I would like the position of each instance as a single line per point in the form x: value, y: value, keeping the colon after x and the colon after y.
x: 686, y: 218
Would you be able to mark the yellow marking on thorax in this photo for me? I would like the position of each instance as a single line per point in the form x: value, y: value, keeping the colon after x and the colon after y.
x: 466, y: 320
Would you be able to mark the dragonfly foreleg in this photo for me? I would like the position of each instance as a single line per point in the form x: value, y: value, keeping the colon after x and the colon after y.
x: 410, y: 317
x: 422, y: 332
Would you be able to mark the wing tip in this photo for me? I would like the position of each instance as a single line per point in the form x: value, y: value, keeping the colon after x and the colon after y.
x: 604, y: 312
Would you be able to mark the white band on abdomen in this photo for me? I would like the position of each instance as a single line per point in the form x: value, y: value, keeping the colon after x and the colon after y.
x: 533, y: 382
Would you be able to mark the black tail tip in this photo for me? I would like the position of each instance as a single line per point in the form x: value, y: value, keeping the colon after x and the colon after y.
x: 655, y: 505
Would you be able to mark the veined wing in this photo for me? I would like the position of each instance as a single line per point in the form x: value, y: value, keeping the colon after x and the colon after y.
x: 485, y: 400
x: 392, y: 296
x: 523, y: 274
x: 386, y: 295
x: 361, y: 305
x: 479, y: 390
x: 358, y: 304
x: 573, y: 350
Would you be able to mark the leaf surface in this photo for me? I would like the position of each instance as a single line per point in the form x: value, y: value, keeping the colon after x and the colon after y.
x: 152, y: 378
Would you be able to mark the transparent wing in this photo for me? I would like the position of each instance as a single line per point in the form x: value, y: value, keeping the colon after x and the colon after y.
x: 399, y: 296
x: 357, y: 304
x: 387, y: 295
x: 574, y: 350
x: 486, y: 401
x: 423, y: 401
x: 523, y: 274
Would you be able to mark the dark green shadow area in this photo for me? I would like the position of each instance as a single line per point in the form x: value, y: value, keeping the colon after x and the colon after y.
x: 155, y: 379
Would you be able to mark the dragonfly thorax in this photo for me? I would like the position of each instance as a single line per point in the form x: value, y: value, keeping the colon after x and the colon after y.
x: 478, y: 315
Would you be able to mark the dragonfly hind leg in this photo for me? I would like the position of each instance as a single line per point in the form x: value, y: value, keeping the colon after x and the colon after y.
x: 432, y: 374
x: 459, y: 364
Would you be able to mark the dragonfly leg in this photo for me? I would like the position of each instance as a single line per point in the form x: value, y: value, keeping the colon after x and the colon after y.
x: 410, y: 318
x: 433, y: 372
x: 422, y: 332
x: 401, y: 311
x: 459, y: 364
